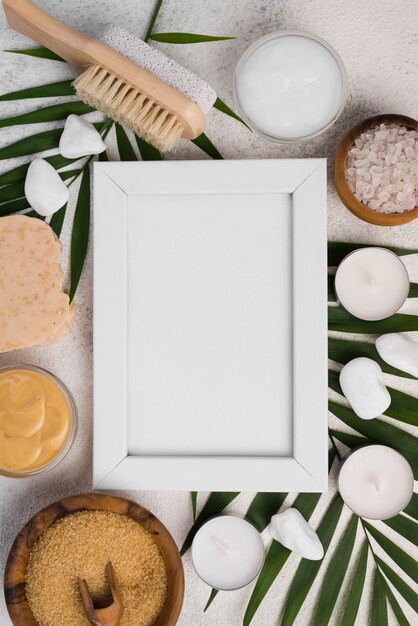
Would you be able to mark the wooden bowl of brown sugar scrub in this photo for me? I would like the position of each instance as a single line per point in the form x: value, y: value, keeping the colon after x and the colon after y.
x: 374, y: 170
x: 78, y: 536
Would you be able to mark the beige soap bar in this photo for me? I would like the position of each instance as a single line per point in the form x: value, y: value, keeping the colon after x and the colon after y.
x: 33, y: 307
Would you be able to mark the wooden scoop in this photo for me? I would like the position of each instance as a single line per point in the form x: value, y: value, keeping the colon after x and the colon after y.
x: 111, y: 615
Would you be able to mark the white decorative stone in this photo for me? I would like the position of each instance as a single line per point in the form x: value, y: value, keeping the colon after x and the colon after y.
x: 399, y: 351
x: 44, y: 189
x: 362, y: 383
x: 292, y: 530
x: 80, y: 138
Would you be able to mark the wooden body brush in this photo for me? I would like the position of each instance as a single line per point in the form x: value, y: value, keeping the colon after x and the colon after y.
x: 111, y: 82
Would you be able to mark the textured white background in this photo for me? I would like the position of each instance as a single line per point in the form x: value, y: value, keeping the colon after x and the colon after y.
x: 378, y: 42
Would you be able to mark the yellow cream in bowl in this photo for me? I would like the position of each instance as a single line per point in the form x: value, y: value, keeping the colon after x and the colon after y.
x: 35, y: 420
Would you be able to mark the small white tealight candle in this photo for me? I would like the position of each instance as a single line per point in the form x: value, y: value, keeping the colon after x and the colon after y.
x: 227, y: 552
x: 376, y: 482
x: 372, y: 283
x: 290, y: 86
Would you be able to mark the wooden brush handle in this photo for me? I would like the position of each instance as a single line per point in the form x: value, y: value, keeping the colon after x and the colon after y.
x: 82, y: 51
x: 29, y: 20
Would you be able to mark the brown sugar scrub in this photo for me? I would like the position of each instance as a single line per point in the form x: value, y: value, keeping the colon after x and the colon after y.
x: 81, y: 544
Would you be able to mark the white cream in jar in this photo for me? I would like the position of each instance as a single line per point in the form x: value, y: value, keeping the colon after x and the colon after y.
x: 290, y: 86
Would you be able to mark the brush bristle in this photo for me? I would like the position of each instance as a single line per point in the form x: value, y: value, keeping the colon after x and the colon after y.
x: 125, y: 104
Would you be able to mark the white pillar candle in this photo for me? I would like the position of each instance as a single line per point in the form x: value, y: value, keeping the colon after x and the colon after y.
x: 290, y: 86
x: 372, y: 283
x: 227, y: 552
x: 375, y: 481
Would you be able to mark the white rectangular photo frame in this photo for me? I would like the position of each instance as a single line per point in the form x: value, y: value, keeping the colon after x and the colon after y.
x: 210, y: 325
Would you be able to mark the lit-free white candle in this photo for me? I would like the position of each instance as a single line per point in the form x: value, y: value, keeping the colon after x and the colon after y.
x: 227, y: 552
x: 290, y: 85
x: 376, y: 482
x: 372, y: 283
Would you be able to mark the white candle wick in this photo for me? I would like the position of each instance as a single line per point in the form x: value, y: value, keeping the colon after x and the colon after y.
x: 222, y: 545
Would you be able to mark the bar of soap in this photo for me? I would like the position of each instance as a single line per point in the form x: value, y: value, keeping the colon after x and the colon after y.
x: 399, y: 351
x: 362, y: 383
x: 33, y: 306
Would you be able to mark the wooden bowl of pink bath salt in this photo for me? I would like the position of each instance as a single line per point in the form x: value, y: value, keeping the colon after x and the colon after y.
x: 376, y: 170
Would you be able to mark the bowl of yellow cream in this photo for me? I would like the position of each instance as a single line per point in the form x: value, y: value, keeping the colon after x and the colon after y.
x: 38, y: 420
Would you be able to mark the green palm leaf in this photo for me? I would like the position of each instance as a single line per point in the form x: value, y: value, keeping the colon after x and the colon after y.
x: 402, y: 587
x: 224, y: 108
x: 185, y: 38
x: 193, y: 496
x: 19, y: 173
x: 348, y: 439
x: 356, y: 589
x: 401, y: 558
x: 215, y: 504
x: 41, y: 53
x: 276, y: 558
x: 412, y: 508
x: 399, y: 614
x: 379, y: 612
x: 344, y: 350
x: 126, y: 152
x: 204, y: 143
x: 13, y: 207
x: 17, y: 190
x: 212, y: 596
x: 147, y: 151
x: 263, y: 507
x: 334, y: 575
x: 62, y: 88
x: 48, y: 114
x: 380, y: 432
x: 337, y: 250
x: 307, y: 570
x: 404, y: 526
x: 80, y: 232
x: 340, y: 320
x: 57, y: 220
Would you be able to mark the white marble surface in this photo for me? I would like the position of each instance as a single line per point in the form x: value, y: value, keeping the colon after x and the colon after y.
x: 377, y: 41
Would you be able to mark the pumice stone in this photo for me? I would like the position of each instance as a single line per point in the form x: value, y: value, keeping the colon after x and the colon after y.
x: 80, y: 138
x: 399, y: 351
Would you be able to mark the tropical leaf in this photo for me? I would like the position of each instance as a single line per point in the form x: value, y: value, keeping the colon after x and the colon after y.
x: 380, y: 432
x: 402, y: 587
x: 334, y: 575
x: 13, y: 207
x: 47, y: 140
x: 212, y: 596
x: 401, y: 558
x: 52, y: 113
x: 356, y: 588
x: 307, y: 570
x: 41, y: 53
x: 224, y: 108
x: 193, y: 496
x: 126, y: 151
x: 340, y: 320
x: 215, y: 504
x: 62, y: 88
x: 147, y: 151
x: 204, y: 143
x: 80, y: 232
x: 344, y: 350
x: 185, y: 38
x: 263, y: 507
x: 57, y: 220
x: 276, y: 557
x: 399, y: 614
x: 19, y: 173
x: 17, y: 190
x: 403, y: 526
x: 379, y: 612
x: 412, y: 508
x: 337, y: 250
x: 349, y: 440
